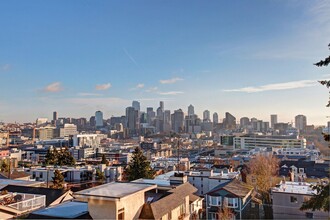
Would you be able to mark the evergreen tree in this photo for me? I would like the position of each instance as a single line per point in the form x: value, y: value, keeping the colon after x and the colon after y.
x: 65, y: 158
x: 320, y: 201
x: 51, y: 156
x: 99, y: 175
x: 58, y: 180
x: 138, y: 167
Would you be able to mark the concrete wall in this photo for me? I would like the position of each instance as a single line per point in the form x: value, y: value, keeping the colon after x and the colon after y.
x: 283, y: 208
x: 100, y: 208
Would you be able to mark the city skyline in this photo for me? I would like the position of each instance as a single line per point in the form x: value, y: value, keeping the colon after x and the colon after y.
x: 251, y: 58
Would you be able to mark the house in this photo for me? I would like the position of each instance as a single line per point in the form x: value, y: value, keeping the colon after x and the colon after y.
x: 115, y: 200
x: 178, y: 203
x: 140, y: 200
x: 235, y: 195
x: 288, y: 197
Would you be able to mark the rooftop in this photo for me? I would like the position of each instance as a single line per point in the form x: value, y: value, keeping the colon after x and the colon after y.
x: 294, y: 187
x: 116, y: 190
x: 5, y: 182
x: 64, y: 210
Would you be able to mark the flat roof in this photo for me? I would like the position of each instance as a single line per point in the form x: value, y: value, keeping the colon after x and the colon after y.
x: 65, y: 210
x: 116, y: 189
x: 294, y: 187
x: 5, y: 182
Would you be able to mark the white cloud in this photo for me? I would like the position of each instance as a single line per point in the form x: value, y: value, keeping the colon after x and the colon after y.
x: 152, y: 89
x: 89, y: 94
x: 276, y: 86
x: 140, y: 86
x: 6, y: 67
x: 103, y: 86
x: 53, y: 87
x: 170, y: 81
x: 170, y: 93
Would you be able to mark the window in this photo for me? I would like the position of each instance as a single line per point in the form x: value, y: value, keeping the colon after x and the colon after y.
x: 40, y: 175
x: 309, y: 215
x: 215, y: 200
x: 201, y: 178
x: 231, y: 202
x: 202, y: 185
x: 293, y: 199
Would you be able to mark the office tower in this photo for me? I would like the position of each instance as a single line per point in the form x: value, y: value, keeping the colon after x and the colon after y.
x: 92, y: 121
x: 136, y: 105
x: 281, y: 128
x: 150, y: 115
x: 167, y: 120
x: 191, y: 110
x: 143, y: 117
x: 206, y: 115
x: 132, y: 120
x: 177, y: 120
x: 193, y: 124
x: 161, y: 105
x: 301, y: 122
x: 244, y: 122
x: 98, y: 119
x: 273, y: 120
x: 215, y: 118
x: 265, y: 126
x: 54, y: 116
x: 229, y: 121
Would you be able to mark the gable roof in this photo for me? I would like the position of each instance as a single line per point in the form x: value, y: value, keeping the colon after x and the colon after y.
x: 51, y: 194
x: 234, y: 187
x: 159, y: 208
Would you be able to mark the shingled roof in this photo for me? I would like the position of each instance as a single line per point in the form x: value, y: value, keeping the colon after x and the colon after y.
x: 159, y: 208
x: 235, y: 187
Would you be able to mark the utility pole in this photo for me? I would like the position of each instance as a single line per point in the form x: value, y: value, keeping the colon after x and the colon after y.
x: 9, y: 169
x: 178, y: 147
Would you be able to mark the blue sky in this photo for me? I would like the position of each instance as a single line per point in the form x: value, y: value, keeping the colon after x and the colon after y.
x: 251, y: 58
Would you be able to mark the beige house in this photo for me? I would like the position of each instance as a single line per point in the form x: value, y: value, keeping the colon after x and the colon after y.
x: 134, y: 200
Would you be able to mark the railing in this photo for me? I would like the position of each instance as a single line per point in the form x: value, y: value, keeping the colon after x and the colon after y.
x: 32, y: 202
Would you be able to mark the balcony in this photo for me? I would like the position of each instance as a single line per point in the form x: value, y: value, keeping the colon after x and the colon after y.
x: 19, y: 203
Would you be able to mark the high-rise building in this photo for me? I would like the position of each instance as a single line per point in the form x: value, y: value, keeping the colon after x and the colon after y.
x: 301, y: 122
x: 136, y: 105
x: 167, y: 120
x: 92, y: 121
x: 54, y: 116
x: 150, y: 115
x: 229, y: 121
x: 161, y: 105
x: 98, y: 119
x: 244, y: 122
x: 273, y: 120
x: 193, y: 124
x: 132, y: 120
x: 177, y: 119
x: 206, y: 115
x: 191, y: 110
x: 215, y: 118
